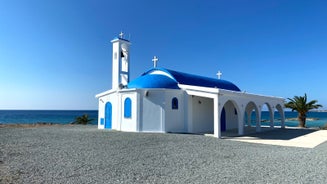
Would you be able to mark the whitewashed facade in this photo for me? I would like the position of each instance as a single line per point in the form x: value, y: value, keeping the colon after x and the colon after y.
x: 163, y: 100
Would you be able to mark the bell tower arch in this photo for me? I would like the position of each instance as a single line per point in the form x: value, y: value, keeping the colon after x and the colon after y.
x: 120, y: 61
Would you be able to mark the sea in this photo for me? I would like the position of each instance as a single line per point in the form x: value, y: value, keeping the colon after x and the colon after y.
x: 315, y: 119
x: 45, y: 116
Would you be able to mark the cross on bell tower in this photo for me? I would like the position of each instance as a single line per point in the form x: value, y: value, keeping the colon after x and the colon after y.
x: 121, y: 35
x: 155, y: 60
x: 219, y: 74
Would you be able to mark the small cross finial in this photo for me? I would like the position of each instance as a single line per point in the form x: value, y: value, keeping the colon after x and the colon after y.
x: 121, y: 34
x: 155, y: 60
x: 219, y: 74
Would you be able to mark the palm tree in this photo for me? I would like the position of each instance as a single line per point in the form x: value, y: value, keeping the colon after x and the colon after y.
x: 83, y: 120
x: 300, y: 104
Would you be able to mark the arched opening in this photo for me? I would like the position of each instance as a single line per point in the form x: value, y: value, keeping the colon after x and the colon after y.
x: 229, y: 116
x: 251, y: 117
x: 267, y: 116
x: 279, y: 117
x: 108, y: 116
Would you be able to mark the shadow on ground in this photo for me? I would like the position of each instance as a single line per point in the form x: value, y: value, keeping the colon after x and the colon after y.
x: 281, y: 133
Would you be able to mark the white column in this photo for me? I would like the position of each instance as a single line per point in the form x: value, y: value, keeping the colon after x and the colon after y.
x: 189, y: 114
x: 118, y: 111
x: 216, y: 118
x: 282, y: 119
x: 272, y: 117
x: 240, y: 123
x: 138, y: 110
x: 258, y: 121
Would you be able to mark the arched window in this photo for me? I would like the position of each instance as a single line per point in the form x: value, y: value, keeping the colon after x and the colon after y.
x: 108, y: 116
x: 174, y: 103
x: 128, y: 108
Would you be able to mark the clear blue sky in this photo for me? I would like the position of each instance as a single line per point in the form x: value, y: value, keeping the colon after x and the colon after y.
x: 56, y: 54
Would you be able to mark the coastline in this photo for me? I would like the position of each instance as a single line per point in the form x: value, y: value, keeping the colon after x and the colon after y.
x: 38, y: 124
x: 28, y: 125
x: 307, y: 119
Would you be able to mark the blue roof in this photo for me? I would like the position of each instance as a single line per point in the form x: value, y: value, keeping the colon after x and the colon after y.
x: 165, y: 78
x: 153, y: 81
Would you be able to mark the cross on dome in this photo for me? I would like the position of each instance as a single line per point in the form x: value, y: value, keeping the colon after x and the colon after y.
x: 155, y: 60
x: 219, y: 74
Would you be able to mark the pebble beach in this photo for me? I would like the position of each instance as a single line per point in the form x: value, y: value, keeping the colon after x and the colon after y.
x: 84, y: 154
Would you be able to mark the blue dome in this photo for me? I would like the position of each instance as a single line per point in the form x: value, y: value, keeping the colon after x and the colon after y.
x: 153, y: 81
x: 164, y: 78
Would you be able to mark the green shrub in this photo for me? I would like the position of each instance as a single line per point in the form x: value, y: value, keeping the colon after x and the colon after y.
x: 83, y: 120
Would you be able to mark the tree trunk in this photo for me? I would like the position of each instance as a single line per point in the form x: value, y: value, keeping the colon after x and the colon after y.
x: 302, y: 118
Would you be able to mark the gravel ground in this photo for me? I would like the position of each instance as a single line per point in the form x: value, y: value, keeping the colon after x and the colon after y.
x: 84, y: 154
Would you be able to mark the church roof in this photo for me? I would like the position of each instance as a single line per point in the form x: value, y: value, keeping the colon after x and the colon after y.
x: 153, y: 81
x: 165, y: 78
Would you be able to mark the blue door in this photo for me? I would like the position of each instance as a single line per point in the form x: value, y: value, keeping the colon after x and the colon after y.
x: 108, y: 115
x: 223, y: 120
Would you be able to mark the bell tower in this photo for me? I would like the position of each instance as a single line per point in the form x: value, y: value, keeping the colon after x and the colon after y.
x: 120, y: 61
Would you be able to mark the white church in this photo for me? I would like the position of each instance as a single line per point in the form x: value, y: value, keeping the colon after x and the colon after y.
x: 164, y: 100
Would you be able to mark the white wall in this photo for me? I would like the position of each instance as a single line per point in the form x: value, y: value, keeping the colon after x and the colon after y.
x: 100, y: 112
x: 156, y: 113
x: 129, y: 124
x: 152, y: 110
x: 113, y: 99
x: 201, y: 115
x: 174, y: 118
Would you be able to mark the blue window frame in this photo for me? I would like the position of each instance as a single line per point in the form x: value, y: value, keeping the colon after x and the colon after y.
x: 174, y: 103
x: 128, y: 108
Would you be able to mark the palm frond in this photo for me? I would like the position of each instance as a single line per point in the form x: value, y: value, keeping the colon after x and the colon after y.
x: 300, y: 104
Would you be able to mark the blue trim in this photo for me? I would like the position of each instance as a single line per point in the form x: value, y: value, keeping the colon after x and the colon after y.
x: 101, y: 121
x: 128, y: 108
x: 108, y: 116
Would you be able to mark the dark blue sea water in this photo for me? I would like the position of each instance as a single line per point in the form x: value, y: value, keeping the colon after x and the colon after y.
x: 65, y: 117
x: 44, y: 116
